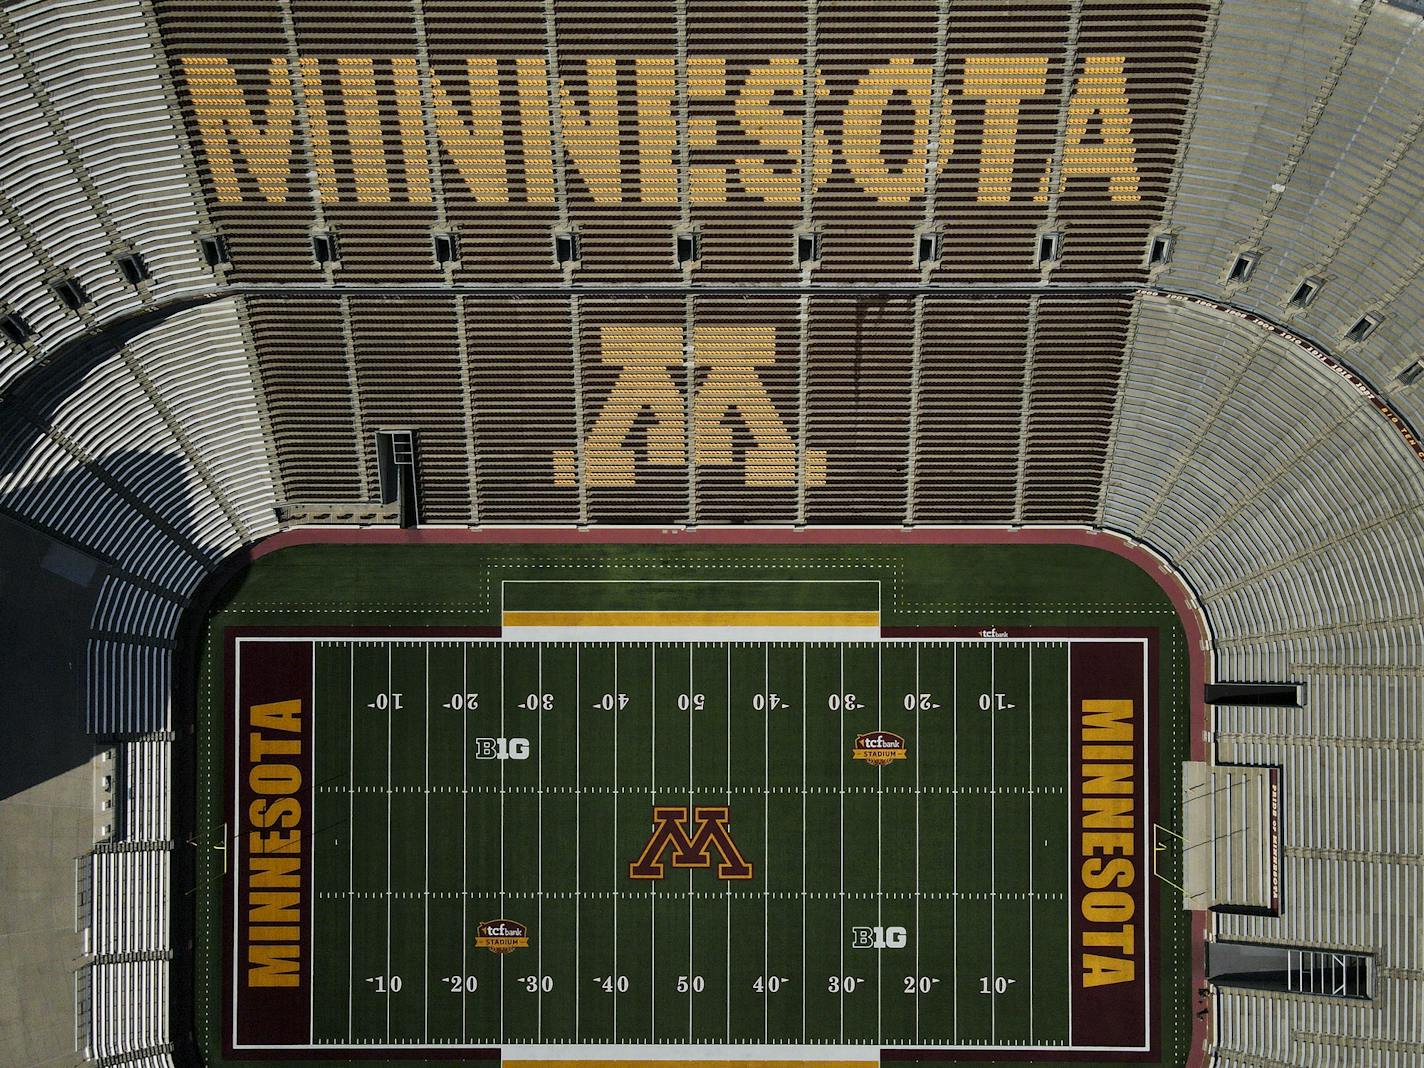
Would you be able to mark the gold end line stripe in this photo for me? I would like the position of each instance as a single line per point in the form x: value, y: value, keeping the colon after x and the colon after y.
x: 691, y: 619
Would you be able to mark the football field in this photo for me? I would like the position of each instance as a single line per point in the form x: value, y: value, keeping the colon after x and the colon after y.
x: 564, y: 848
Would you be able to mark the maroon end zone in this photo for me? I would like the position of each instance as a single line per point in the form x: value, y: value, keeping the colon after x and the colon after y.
x: 1110, y: 832
x: 269, y: 961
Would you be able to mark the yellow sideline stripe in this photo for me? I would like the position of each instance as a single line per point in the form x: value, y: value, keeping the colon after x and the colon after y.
x: 691, y: 619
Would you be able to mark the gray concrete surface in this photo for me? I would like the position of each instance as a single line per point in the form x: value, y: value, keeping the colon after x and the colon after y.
x: 46, y: 790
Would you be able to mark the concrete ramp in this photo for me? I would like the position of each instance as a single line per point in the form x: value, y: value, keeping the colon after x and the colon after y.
x: 1231, y: 826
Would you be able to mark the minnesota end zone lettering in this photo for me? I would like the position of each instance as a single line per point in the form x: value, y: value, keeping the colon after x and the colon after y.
x: 272, y: 731
x: 1110, y: 889
x: 274, y: 845
x: 1109, y: 746
x: 488, y: 112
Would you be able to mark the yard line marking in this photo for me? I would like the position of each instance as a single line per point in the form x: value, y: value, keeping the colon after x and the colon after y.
x: 805, y: 700
x: 390, y: 715
x: 879, y: 844
x: 425, y: 987
x: 727, y: 887
x: 1031, y: 847
x: 993, y: 869
x: 1067, y: 889
x: 765, y: 829
x: 954, y: 802
x: 652, y: 796
x: 578, y: 830
x: 464, y: 837
x: 917, y: 843
x: 503, y: 906
x: 351, y: 841
x: 616, y: 798
x: 539, y: 1005
x: 691, y: 689
x: 840, y: 934
x: 311, y: 993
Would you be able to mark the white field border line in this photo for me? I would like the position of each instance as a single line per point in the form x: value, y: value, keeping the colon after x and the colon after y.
x: 1039, y: 639
x: 351, y: 841
x: 390, y: 794
x: 240, y: 857
x: 615, y: 1050
x: 311, y: 874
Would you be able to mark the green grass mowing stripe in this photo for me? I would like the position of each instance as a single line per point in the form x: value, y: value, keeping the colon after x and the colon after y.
x: 408, y: 843
x: 331, y: 840
x: 634, y: 779
x: 484, y: 840
x: 525, y: 699
x: 707, y: 949
x: 827, y: 749
x: 672, y: 760
x: 447, y: 940
x: 370, y: 827
x: 747, y: 755
x: 1012, y: 908
x: 1051, y: 873
x: 934, y: 753
x: 556, y: 755
x: 861, y: 843
x: 898, y: 843
x: 973, y: 844
x: 785, y: 843
x: 597, y: 872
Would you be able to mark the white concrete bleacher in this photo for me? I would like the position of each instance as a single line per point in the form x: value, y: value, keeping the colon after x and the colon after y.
x: 93, y: 169
x: 1306, y: 145
x: 1296, y: 512
x: 149, y: 459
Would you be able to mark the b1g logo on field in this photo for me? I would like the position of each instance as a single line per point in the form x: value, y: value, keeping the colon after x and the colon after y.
x: 501, y: 748
x: 879, y: 938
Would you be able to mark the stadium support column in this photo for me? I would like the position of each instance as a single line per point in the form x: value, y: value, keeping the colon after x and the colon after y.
x: 689, y: 303
x: 1055, y: 160
x: 561, y: 197
x: 932, y: 157
x: 442, y: 223
x: 803, y: 341
x: 1025, y: 403
x: 353, y: 385
x: 1110, y: 454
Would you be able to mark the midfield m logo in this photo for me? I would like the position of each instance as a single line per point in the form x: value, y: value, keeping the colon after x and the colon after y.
x: 692, y: 841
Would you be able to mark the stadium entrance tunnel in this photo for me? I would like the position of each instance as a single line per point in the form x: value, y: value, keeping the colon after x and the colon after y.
x: 762, y: 794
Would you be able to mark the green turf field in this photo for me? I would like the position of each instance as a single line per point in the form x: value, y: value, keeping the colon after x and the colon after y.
x: 922, y: 904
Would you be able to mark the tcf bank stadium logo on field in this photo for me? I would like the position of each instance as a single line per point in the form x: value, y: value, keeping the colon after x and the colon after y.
x: 726, y: 357
x: 502, y: 936
x: 693, y: 837
x: 878, y: 748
